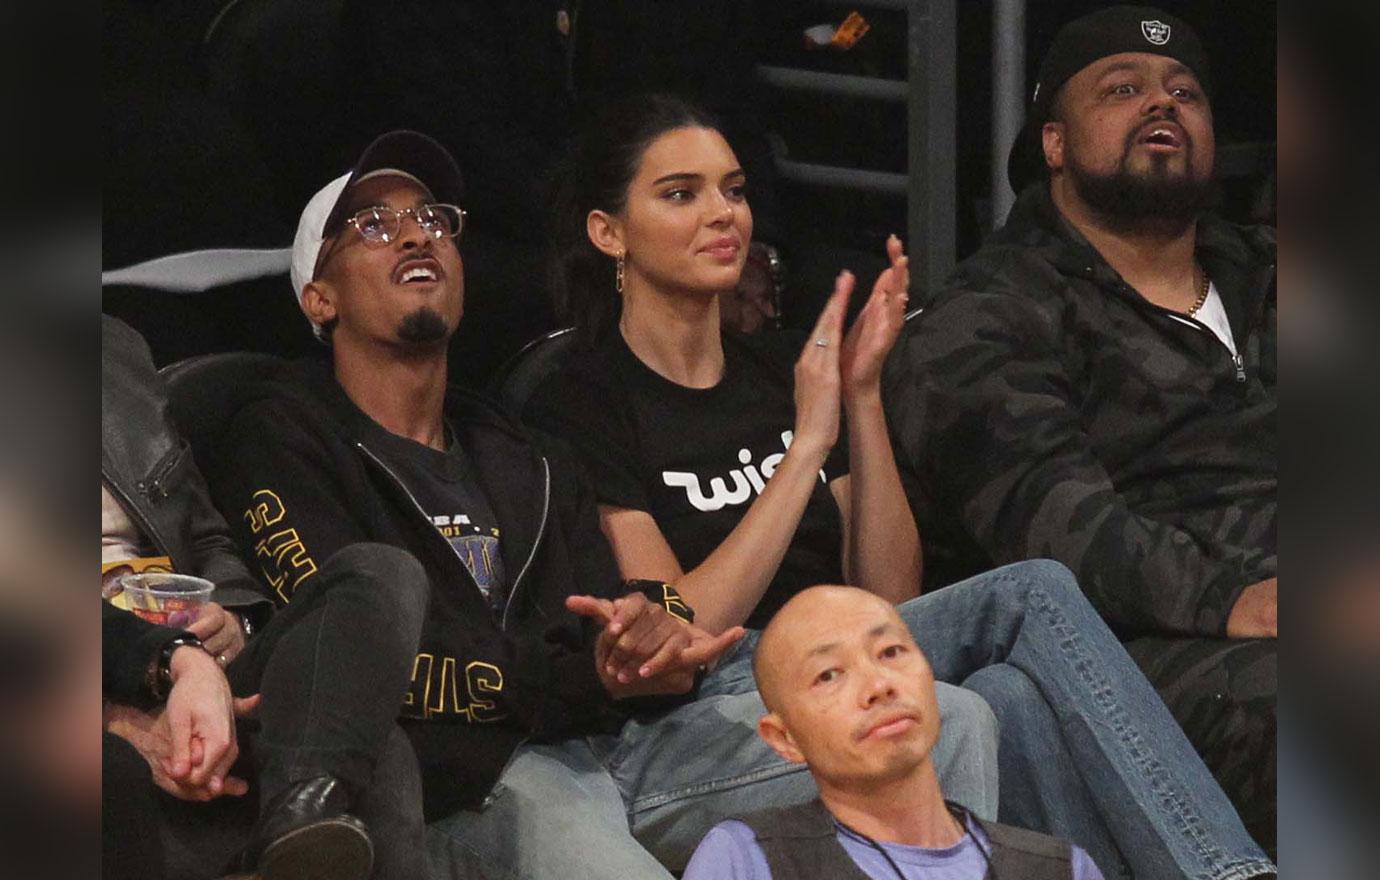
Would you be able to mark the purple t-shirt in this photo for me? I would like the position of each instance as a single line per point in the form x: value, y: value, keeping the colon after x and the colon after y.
x: 730, y: 852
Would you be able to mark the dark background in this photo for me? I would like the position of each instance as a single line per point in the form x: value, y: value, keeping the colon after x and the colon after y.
x: 222, y: 118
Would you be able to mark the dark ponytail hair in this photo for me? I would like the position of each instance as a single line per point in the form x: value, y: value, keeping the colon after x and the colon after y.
x: 596, y: 173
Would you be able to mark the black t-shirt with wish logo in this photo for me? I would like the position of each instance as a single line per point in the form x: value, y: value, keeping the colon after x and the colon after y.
x: 444, y: 487
x: 696, y: 459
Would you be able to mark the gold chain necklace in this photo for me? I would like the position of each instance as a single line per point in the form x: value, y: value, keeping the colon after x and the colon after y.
x: 1202, y: 295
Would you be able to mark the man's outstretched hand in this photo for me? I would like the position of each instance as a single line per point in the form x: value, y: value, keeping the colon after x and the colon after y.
x: 643, y: 649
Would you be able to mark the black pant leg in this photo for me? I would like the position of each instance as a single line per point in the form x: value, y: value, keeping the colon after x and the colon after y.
x: 368, y: 600
x: 332, y: 668
x: 1223, y: 692
x: 392, y: 808
x: 131, y: 848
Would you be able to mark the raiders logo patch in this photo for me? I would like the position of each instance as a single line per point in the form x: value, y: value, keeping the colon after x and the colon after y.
x: 1156, y: 32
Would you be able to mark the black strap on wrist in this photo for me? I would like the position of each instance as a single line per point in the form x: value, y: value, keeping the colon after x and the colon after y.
x: 158, y: 677
x: 662, y: 594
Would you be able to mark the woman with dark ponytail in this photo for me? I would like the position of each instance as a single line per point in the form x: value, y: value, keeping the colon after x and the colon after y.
x: 653, y: 225
x: 596, y: 174
x: 724, y: 466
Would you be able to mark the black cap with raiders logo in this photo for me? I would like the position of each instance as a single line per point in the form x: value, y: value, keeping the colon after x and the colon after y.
x: 1079, y: 43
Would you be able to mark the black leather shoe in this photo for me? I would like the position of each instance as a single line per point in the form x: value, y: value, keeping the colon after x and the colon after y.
x: 305, y: 834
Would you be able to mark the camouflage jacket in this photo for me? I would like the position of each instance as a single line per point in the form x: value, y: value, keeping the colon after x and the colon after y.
x: 1041, y: 407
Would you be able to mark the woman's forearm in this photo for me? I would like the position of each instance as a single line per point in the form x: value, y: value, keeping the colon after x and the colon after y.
x: 726, y: 587
x: 882, y: 547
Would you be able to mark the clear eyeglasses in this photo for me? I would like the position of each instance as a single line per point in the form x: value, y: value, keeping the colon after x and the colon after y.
x: 381, y: 225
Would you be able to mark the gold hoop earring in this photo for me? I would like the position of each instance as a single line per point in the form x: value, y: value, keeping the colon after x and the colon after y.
x: 618, y: 273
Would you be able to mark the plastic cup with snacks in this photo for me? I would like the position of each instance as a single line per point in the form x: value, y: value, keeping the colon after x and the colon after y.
x: 162, y: 597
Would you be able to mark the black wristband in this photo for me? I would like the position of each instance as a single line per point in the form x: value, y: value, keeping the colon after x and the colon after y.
x: 158, y: 677
x: 662, y: 594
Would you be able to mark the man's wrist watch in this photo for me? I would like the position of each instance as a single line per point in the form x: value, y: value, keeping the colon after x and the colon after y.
x: 158, y: 675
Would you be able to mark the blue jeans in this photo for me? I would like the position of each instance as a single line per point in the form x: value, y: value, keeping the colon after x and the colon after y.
x: 1089, y: 752
x: 634, y: 805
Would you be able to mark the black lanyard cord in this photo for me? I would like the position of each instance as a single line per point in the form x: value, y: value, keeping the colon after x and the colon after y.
x: 958, y: 812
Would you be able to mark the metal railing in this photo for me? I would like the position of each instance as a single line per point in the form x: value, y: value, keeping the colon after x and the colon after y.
x: 930, y: 95
x: 1008, y: 98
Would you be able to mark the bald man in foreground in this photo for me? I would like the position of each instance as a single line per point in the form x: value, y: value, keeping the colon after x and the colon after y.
x: 850, y: 694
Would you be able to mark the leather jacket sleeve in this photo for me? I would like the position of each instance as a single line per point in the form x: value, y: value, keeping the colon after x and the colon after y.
x: 128, y: 644
x: 151, y: 471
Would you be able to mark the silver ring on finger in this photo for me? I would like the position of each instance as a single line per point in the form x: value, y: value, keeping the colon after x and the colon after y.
x: 822, y: 342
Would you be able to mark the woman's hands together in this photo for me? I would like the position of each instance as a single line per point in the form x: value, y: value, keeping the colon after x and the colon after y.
x: 835, y: 368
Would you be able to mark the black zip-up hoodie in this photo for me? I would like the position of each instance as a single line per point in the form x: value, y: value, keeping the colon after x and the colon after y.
x: 1042, y: 407
x: 300, y: 481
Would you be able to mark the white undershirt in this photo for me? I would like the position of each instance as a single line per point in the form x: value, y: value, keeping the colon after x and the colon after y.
x: 1213, y: 315
x: 121, y: 538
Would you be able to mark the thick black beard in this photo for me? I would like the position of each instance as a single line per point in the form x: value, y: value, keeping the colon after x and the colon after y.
x: 1153, y: 197
x: 422, y: 327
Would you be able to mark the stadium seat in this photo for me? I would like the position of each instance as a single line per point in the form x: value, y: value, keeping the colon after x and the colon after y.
x: 205, y: 392
x: 524, y: 372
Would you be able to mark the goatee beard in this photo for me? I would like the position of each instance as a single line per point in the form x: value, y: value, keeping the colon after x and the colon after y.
x: 1156, y: 197
x: 423, y: 327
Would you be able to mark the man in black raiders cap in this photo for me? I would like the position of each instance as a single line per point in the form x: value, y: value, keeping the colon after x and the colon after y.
x: 1098, y: 385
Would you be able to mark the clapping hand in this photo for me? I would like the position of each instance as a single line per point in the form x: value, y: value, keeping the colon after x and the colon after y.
x: 817, y: 384
x: 872, y: 335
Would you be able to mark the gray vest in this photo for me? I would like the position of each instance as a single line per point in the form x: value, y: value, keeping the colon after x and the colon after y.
x: 800, y: 843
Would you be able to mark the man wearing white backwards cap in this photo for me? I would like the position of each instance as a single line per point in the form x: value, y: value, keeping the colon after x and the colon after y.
x: 373, y: 447
x: 394, y: 159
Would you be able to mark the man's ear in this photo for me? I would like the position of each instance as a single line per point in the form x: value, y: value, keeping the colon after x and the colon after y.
x: 606, y: 233
x: 1052, y: 141
x: 772, y: 729
x: 318, y: 301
